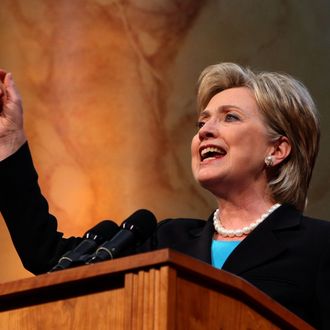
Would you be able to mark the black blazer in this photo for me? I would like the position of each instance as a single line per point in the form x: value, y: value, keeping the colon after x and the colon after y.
x: 287, y: 256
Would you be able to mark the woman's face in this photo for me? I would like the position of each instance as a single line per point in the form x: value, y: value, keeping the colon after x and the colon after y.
x: 229, y: 149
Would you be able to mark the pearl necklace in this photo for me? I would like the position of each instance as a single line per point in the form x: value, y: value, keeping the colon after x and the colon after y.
x: 243, y: 231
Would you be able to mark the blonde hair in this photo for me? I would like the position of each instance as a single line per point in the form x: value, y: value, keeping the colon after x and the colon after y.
x: 288, y: 110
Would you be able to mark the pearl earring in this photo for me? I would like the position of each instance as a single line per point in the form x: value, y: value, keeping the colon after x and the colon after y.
x: 269, y: 161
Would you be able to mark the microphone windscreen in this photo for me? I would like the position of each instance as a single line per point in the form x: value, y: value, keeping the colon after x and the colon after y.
x: 142, y: 223
x: 102, y: 232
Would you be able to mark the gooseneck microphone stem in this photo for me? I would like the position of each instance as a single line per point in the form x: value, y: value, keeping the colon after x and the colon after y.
x: 71, y: 258
x: 111, y: 249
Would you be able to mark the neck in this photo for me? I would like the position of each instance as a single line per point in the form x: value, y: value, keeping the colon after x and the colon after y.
x: 237, y: 214
x: 240, y: 188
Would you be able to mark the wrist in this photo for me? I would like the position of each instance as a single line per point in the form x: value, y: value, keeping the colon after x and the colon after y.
x: 10, y: 143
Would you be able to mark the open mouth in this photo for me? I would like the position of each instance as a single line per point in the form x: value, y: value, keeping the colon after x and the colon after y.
x: 212, y: 152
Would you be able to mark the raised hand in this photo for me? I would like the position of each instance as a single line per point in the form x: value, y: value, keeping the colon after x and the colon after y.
x: 11, y: 116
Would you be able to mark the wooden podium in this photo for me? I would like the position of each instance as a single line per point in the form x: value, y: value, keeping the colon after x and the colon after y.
x: 156, y: 290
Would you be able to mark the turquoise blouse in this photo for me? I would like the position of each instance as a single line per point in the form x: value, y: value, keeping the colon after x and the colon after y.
x: 220, y: 251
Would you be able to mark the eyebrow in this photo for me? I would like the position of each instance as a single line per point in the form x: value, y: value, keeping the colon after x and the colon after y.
x: 206, y: 113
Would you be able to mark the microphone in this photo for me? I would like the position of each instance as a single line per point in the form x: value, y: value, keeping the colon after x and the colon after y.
x: 134, y: 230
x: 100, y: 233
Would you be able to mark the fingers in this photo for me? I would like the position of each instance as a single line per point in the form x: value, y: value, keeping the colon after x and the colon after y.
x: 2, y: 75
x: 2, y: 88
x: 2, y: 97
x: 3, y: 93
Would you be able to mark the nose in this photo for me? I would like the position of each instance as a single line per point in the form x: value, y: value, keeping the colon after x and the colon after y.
x: 208, y: 130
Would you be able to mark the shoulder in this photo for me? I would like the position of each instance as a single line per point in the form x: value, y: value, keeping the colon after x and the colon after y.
x: 288, y: 216
x: 315, y: 222
x: 318, y: 227
x: 298, y: 229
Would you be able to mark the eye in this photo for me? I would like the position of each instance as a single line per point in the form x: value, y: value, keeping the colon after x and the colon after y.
x: 231, y: 117
x: 200, y: 124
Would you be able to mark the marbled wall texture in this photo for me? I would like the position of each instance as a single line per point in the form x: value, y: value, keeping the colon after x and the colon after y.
x: 108, y: 90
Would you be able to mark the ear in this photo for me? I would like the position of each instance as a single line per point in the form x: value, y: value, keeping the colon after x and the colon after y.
x: 280, y: 150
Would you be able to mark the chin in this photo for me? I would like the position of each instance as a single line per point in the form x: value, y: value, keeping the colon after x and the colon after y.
x: 212, y: 181
x: 208, y: 182
x: 209, y: 174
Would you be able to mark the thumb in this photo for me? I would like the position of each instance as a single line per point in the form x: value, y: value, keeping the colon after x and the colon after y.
x: 8, y: 81
x: 10, y: 88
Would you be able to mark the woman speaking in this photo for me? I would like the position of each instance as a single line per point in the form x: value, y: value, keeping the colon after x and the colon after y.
x: 254, y: 150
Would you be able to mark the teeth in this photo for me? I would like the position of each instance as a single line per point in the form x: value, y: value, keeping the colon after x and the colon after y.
x: 212, y: 149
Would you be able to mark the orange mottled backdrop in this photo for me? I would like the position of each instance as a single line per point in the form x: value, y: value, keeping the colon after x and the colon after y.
x: 109, y: 91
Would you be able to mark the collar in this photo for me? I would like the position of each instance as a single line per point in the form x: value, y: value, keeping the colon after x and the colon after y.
x: 262, y: 244
x: 259, y: 246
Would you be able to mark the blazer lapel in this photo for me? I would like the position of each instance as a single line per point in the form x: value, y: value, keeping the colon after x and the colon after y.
x: 262, y: 245
x: 199, y: 243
